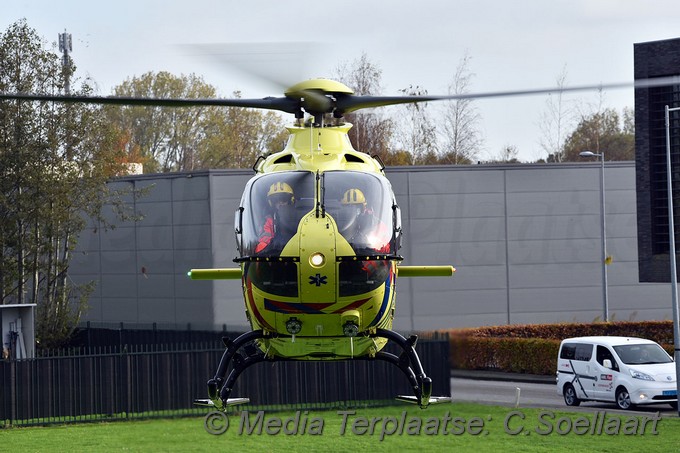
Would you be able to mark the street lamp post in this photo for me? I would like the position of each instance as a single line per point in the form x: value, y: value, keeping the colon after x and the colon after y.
x: 603, y: 233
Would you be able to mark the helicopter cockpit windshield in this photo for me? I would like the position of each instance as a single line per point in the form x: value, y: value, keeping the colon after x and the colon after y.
x: 362, y: 206
x: 271, y: 209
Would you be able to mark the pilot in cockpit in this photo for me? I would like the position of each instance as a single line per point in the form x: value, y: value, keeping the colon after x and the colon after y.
x: 280, y: 195
x: 367, y: 231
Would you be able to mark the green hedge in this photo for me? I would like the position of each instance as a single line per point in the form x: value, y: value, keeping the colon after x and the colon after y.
x: 532, y: 349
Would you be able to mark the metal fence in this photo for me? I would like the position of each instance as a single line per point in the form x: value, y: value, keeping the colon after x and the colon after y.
x: 143, y: 381
x: 120, y: 335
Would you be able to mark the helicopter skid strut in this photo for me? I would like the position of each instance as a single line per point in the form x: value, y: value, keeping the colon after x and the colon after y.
x: 219, y: 388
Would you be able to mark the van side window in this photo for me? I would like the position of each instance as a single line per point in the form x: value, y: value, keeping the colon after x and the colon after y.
x: 602, y: 354
x: 576, y: 351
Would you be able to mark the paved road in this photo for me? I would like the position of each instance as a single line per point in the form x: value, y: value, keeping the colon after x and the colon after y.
x: 505, y: 393
x: 535, y: 395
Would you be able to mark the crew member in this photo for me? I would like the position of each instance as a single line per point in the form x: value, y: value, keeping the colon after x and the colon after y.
x: 280, y: 194
x: 370, y: 230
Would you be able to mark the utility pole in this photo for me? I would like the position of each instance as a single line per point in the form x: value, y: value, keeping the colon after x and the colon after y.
x: 65, y: 46
x: 671, y: 250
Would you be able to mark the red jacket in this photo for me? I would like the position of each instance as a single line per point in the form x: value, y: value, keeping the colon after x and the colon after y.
x: 267, y: 234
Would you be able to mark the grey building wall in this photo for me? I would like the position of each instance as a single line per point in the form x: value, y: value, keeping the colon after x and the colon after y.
x: 525, y: 240
x: 140, y: 266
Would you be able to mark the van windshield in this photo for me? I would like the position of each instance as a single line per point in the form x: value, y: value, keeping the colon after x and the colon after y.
x: 642, y: 354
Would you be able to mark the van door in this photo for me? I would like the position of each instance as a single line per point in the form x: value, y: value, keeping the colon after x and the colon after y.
x: 578, y: 367
x: 606, y: 376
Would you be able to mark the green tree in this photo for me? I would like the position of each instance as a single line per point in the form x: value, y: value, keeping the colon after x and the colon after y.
x: 168, y: 139
x: 233, y: 137
x: 604, y: 132
x: 162, y: 139
x: 53, y: 173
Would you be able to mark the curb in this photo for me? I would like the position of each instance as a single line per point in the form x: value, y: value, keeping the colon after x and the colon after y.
x: 484, y: 375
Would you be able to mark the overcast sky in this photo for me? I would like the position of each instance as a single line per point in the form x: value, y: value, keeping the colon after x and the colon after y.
x: 512, y: 45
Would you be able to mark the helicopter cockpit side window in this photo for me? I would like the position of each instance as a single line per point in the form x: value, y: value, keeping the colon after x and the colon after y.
x: 272, y: 207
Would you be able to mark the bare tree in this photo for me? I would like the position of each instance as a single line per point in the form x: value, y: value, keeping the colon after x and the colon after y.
x: 417, y: 132
x: 372, y: 132
x: 556, y: 118
x: 461, y: 134
x: 507, y: 155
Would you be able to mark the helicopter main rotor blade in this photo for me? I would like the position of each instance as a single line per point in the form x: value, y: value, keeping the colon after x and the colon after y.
x: 320, y: 101
x: 347, y: 104
x: 313, y: 102
x: 276, y: 65
x: 284, y: 104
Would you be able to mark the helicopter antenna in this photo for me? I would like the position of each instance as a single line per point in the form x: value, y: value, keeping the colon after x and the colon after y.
x: 321, y: 125
x: 318, y: 202
x: 311, y: 142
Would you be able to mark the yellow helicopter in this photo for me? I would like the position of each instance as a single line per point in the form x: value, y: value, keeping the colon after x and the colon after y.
x: 318, y: 232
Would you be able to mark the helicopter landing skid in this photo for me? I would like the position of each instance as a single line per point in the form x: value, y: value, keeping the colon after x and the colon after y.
x: 409, y: 363
x: 230, y: 402
x: 414, y: 400
x: 219, y: 389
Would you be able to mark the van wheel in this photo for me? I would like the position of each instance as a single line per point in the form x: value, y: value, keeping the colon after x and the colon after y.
x: 623, y: 399
x: 674, y: 405
x: 570, y: 397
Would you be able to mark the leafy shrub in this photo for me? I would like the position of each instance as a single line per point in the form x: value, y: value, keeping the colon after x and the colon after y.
x: 532, y: 349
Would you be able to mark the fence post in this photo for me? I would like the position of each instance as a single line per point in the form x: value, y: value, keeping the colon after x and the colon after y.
x: 129, y: 384
x: 13, y: 390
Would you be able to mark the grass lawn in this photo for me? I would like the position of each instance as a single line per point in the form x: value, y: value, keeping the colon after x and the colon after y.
x: 446, y: 427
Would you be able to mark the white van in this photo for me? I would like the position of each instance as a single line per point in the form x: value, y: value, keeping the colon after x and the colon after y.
x: 627, y: 371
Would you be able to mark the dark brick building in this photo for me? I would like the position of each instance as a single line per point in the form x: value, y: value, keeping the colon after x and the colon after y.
x: 654, y: 60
